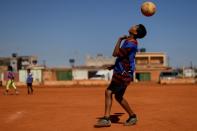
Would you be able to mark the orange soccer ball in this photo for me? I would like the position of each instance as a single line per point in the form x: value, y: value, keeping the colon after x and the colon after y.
x: 148, y: 8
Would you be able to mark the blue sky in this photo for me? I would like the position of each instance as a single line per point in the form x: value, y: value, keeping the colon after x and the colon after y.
x: 57, y: 30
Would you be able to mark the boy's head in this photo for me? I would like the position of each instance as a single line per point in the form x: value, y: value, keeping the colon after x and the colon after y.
x: 138, y: 31
x: 10, y: 68
x: 28, y: 70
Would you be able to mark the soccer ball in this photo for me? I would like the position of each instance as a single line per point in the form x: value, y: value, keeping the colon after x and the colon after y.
x: 148, y: 8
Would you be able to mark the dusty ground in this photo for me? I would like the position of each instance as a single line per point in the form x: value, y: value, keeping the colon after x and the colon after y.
x: 159, y: 108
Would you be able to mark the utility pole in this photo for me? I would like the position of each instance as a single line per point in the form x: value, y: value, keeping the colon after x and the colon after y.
x: 72, y: 62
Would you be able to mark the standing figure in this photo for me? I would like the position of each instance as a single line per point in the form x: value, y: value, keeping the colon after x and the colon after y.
x: 29, y: 82
x: 10, y: 81
x: 123, y: 70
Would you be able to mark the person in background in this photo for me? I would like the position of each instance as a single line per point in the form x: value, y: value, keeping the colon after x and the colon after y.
x: 29, y: 82
x: 10, y: 81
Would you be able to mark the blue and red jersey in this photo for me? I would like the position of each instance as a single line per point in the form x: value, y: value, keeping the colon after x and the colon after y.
x: 125, y: 61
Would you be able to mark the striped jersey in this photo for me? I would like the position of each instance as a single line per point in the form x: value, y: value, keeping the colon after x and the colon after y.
x: 125, y: 62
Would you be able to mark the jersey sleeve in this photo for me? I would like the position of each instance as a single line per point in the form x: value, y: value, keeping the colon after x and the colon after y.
x: 125, y: 50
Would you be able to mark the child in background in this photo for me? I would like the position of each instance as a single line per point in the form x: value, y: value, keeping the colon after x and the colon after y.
x: 10, y: 81
x: 29, y: 82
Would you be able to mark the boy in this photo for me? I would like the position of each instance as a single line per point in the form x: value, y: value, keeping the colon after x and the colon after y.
x: 29, y: 82
x: 122, y: 74
x: 10, y: 81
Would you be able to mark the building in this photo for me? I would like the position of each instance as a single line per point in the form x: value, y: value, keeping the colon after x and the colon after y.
x: 99, y: 60
x: 149, y: 65
x: 19, y: 62
x: 189, y: 72
x: 151, y: 59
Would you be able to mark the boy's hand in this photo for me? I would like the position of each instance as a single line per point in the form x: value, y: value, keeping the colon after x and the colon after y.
x: 117, y: 47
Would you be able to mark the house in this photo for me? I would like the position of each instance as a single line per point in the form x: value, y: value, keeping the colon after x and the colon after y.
x: 19, y: 62
x: 149, y: 65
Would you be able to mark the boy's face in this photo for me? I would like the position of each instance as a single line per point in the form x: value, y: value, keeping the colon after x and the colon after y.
x: 133, y: 30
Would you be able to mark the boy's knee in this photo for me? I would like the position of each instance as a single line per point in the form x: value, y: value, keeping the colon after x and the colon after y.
x: 119, y: 97
x: 108, y: 92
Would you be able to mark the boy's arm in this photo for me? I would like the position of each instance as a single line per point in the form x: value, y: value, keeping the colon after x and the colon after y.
x: 117, y: 47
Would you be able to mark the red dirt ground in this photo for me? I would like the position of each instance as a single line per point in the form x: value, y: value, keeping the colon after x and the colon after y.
x: 159, y: 108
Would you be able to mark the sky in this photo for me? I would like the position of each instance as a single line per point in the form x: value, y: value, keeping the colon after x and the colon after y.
x: 58, y: 30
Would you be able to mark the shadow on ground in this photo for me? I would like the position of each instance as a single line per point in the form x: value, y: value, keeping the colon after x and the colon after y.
x: 115, y: 118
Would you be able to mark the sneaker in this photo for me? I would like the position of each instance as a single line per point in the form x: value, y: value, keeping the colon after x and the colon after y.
x: 132, y: 120
x: 103, y: 122
x: 16, y: 92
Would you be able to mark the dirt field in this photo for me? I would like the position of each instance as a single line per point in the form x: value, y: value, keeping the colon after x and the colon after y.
x: 159, y: 108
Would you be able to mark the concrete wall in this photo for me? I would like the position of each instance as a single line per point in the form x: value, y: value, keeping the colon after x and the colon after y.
x: 80, y: 74
x: 179, y: 81
x: 37, y: 75
x: 77, y: 82
x: 49, y: 75
x: 155, y: 75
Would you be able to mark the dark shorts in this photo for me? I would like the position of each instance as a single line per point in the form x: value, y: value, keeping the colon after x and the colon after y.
x: 119, y: 83
x: 29, y: 84
x: 118, y: 89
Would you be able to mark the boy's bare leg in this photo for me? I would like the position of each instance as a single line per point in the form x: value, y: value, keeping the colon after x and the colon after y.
x: 132, y: 120
x: 105, y: 122
x: 108, y: 102
x: 126, y: 106
x: 31, y: 89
